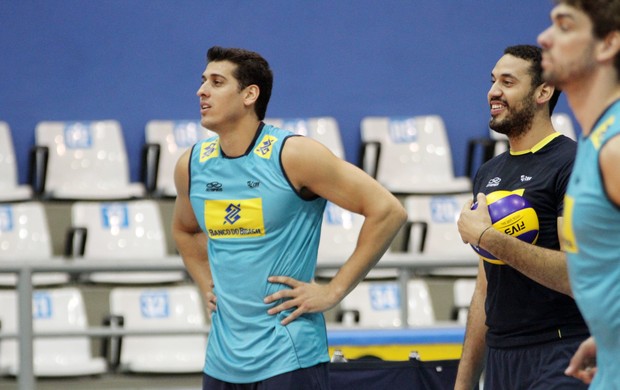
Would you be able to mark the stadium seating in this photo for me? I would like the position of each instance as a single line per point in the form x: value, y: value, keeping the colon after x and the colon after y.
x: 374, y: 304
x: 54, y: 310
x: 563, y: 123
x: 435, y: 233
x: 160, y: 308
x: 82, y: 161
x: 339, y: 232
x: 412, y: 155
x: 119, y: 231
x: 25, y: 235
x: 463, y: 292
x: 10, y: 190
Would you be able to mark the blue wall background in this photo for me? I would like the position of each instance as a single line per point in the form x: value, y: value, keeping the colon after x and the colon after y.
x: 136, y: 60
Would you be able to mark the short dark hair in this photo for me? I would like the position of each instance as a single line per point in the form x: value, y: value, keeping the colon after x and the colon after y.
x: 533, y: 54
x: 604, y: 15
x: 251, y: 69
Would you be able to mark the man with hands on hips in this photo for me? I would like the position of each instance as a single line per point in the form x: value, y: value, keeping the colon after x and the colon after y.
x: 247, y: 223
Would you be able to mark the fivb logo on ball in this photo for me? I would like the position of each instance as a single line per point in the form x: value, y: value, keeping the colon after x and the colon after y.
x: 511, y: 214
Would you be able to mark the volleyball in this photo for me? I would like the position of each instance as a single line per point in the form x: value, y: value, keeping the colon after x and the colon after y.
x: 512, y: 214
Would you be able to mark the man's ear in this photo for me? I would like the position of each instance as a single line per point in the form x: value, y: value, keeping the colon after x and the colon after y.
x: 609, y: 47
x: 544, y: 93
x: 250, y: 94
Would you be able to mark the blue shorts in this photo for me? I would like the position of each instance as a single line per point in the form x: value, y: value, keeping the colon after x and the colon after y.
x: 311, y: 378
x: 533, y: 367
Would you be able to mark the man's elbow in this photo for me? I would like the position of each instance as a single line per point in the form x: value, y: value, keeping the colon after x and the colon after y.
x: 399, y: 214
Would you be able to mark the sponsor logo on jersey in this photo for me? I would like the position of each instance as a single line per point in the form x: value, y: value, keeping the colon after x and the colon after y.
x: 209, y: 150
x: 227, y: 218
x: 525, y: 178
x: 265, y: 146
x: 214, y: 186
x: 494, y: 182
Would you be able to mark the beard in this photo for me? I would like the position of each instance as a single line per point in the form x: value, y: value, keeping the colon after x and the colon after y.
x: 518, y: 121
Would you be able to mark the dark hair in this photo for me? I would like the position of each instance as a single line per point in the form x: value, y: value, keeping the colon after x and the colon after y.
x: 533, y: 54
x: 604, y: 15
x: 251, y: 69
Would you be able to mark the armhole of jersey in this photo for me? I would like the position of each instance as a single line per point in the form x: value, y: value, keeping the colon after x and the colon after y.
x: 189, y: 170
x: 600, y: 171
x: 299, y: 194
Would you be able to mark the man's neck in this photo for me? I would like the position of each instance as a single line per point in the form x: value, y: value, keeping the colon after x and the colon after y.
x: 541, y: 127
x: 589, y: 97
x: 235, y: 138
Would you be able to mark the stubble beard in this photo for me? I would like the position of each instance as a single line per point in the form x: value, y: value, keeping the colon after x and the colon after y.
x: 518, y: 122
x: 560, y: 76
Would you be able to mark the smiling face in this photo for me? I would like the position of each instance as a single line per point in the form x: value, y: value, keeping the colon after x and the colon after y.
x: 221, y: 100
x: 511, y: 97
x: 568, y: 47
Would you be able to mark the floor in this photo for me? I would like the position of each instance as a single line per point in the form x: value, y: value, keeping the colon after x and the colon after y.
x: 113, y: 382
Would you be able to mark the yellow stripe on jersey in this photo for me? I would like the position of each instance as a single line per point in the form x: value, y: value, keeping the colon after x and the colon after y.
x: 569, y: 244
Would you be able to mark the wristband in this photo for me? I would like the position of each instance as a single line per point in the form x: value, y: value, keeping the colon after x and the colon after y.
x: 481, y: 234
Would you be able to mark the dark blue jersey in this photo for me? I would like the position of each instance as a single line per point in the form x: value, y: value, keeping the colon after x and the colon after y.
x: 520, y: 311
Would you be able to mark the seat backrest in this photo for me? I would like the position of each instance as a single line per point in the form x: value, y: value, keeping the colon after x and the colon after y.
x: 415, y: 154
x: 373, y: 305
x: 24, y: 232
x: 87, y: 160
x: 440, y: 213
x: 421, y: 312
x: 563, y: 123
x: 174, y: 138
x: 60, y: 309
x: 379, y: 304
x: 339, y: 231
x: 463, y: 293
x: 323, y: 129
x: 121, y: 230
x: 176, y: 307
x: 9, y: 188
x: 8, y: 165
x: 130, y: 230
x: 25, y: 235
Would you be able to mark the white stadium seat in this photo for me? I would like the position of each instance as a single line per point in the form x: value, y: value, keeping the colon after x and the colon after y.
x: 463, y: 292
x: 130, y: 230
x: 86, y: 160
x: 59, y: 310
x: 10, y: 190
x: 374, y: 304
x: 339, y: 232
x: 563, y: 123
x: 25, y: 235
x: 413, y: 155
x: 440, y: 238
x: 169, y: 308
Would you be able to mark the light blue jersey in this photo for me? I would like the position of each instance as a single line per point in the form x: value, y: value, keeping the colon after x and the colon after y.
x: 258, y: 226
x: 592, y: 233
